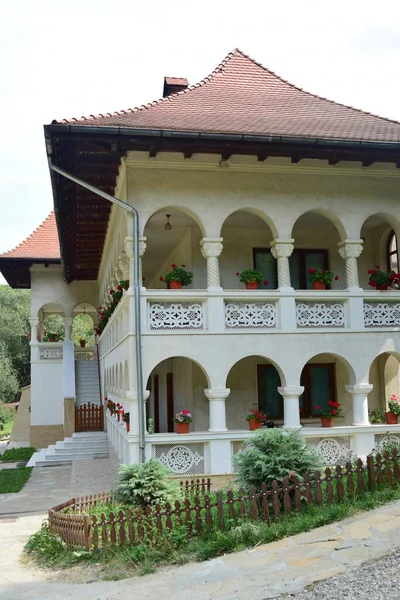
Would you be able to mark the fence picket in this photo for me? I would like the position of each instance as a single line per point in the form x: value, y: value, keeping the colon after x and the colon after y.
x: 388, y: 472
x: 275, y: 500
x: 264, y: 503
x: 350, y: 482
x: 379, y: 474
x: 318, y: 490
x: 396, y: 470
x: 339, y: 483
x: 131, y: 529
x: 329, y: 488
x: 287, y: 503
x: 253, y: 503
x: 307, y: 488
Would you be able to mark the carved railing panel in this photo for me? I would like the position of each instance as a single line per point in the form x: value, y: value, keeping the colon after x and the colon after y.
x: 176, y: 315
x: 320, y: 314
x: 181, y: 459
x: 382, y: 314
x: 250, y: 315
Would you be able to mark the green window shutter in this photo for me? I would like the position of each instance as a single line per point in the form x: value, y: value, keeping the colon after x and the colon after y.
x: 269, y: 397
x: 266, y: 264
x: 320, y: 389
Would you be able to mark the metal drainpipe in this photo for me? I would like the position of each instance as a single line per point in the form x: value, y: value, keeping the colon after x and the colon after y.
x: 136, y: 287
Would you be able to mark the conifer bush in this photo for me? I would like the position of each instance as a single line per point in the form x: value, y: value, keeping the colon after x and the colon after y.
x: 273, y: 454
x: 141, y: 484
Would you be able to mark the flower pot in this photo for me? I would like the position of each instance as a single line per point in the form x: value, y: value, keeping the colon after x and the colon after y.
x: 327, y: 421
x: 318, y: 285
x: 254, y: 424
x: 182, y: 427
x: 175, y: 285
x: 52, y: 339
x: 82, y: 344
x: 391, y: 418
x: 128, y: 427
x: 252, y: 285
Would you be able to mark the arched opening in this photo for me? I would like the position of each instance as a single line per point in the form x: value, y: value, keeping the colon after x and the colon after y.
x: 51, y: 323
x: 254, y: 382
x: 316, y: 241
x: 82, y: 331
x: 172, y: 241
x: 379, y: 246
x: 246, y: 240
x: 176, y: 384
x: 324, y: 378
x: 384, y: 375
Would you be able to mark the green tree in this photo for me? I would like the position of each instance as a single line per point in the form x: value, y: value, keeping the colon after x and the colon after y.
x: 9, y: 384
x: 14, y: 329
x: 83, y: 328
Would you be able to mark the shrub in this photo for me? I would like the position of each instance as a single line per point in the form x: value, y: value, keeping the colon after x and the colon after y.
x: 272, y: 454
x: 143, y: 484
x: 7, y: 413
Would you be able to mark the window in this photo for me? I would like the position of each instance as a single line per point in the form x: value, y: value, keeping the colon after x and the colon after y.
x: 318, y: 380
x: 392, y: 253
x: 299, y: 263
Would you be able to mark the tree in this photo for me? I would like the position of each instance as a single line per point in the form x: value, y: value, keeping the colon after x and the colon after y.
x: 9, y: 384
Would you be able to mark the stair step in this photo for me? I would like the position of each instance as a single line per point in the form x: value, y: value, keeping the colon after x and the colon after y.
x: 76, y: 456
x: 83, y: 448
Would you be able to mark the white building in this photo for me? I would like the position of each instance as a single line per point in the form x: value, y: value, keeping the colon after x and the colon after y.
x: 250, y: 171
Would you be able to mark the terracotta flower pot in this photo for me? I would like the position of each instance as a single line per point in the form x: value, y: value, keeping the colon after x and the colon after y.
x: 182, y: 427
x: 327, y: 421
x: 318, y: 285
x: 252, y: 285
x: 128, y: 426
x: 83, y: 344
x: 52, y: 339
x: 175, y: 285
x: 391, y: 418
x: 254, y: 424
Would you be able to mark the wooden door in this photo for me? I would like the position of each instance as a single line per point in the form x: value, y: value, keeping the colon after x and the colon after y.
x: 170, y: 402
x: 156, y: 396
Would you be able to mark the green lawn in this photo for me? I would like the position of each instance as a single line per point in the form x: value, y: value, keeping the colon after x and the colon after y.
x: 7, y: 429
x: 13, y: 480
x: 17, y: 454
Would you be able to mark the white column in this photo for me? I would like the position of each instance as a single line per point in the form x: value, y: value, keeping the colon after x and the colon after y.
x: 211, y: 248
x: 34, y: 330
x: 68, y: 328
x: 291, y: 407
x: 131, y: 406
x: 142, y: 250
x: 128, y: 247
x: 360, y: 393
x: 217, y: 397
x: 350, y: 250
x: 281, y: 250
x: 123, y: 265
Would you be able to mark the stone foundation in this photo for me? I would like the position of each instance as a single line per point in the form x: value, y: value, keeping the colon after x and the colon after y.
x: 42, y: 436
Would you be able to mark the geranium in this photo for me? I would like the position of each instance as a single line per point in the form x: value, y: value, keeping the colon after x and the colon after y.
x: 185, y: 416
x: 332, y: 410
x: 178, y: 274
x: 250, y: 276
x: 257, y: 415
x: 394, y: 404
x: 381, y: 280
x: 321, y: 275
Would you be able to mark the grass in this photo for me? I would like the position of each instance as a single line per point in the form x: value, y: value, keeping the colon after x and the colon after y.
x: 7, y: 429
x: 13, y: 480
x: 15, y: 454
x: 116, y: 562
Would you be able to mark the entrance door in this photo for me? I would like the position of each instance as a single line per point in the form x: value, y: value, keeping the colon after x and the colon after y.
x: 170, y: 402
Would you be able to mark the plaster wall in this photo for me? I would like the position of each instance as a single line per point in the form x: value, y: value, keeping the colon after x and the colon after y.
x: 47, y: 401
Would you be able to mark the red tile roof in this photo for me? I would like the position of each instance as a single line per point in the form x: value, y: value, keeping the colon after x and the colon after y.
x: 176, y: 80
x: 243, y: 97
x: 42, y: 243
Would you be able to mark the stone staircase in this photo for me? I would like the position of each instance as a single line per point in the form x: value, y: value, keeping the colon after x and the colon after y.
x: 81, y: 446
x: 87, y: 382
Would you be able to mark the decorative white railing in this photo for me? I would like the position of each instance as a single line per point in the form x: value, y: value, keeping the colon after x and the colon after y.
x: 52, y: 351
x: 333, y: 450
x: 176, y: 315
x: 250, y: 315
x: 181, y: 459
x: 84, y: 354
x: 381, y: 314
x: 320, y: 314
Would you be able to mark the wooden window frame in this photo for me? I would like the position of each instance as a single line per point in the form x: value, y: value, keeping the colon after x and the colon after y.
x: 307, y: 412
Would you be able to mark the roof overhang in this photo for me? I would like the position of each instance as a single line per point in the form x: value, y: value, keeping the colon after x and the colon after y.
x: 94, y: 155
x: 16, y: 271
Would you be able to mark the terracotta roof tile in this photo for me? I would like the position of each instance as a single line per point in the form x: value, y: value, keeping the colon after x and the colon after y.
x: 243, y: 97
x: 42, y: 243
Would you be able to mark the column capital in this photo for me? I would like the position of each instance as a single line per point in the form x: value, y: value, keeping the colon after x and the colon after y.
x: 211, y: 247
x: 360, y: 389
x: 128, y: 245
x: 132, y: 395
x: 68, y: 321
x: 350, y: 248
x: 282, y: 248
x: 142, y: 245
x: 290, y: 391
x: 34, y: 321
x: 217, y: 393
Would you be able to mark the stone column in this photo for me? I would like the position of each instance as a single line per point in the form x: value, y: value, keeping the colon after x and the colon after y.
x: 360, y: 393
x: 281, y: 250
x: 123, y: 265
x: 34, y: 330
x: 142, y: 250
x: 128, y: 247
x: 211, y: 248
x: 350, y: 250
x: 68, y: 328
x: 291, y: 408
x: 132, y: 406
x: 217, y: 397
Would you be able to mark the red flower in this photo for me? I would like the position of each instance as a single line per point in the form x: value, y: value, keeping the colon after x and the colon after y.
x: 183, y: 266
x: 161, y: 278
x: 334, y: 412
x: 300, y: 409
x: 237, y: 274
x: 317, y: 408
x: 143, y: 278
x: 100, y: 308
x: 173, y: 266
x: 119, y: 288
x: 336, y: 277
x: 112, y: 291
x: 324, y: 272
x: 377, y: 267
x: 312, y: 271
x: 265, y: 282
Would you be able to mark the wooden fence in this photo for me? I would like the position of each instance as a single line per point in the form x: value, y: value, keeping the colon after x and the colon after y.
x: 89, y: 417
x: 203, y: 511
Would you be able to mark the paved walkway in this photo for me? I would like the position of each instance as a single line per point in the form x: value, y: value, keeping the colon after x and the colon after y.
x: 257, y: 574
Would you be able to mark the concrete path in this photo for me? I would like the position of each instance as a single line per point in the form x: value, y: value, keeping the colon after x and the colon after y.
x: 256, y: 574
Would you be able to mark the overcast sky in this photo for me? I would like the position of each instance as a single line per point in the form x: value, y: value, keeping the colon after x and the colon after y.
x: 68, y: 58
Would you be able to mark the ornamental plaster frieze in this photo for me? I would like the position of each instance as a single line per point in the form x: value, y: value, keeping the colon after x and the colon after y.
x: 350, y: 248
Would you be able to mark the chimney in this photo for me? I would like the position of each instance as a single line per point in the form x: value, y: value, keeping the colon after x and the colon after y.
x: 172, y: 85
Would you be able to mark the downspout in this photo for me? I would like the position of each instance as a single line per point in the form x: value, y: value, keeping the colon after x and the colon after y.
x: 136, y: 288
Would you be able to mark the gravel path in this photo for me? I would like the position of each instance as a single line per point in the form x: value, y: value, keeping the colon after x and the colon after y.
x: 375, y: 580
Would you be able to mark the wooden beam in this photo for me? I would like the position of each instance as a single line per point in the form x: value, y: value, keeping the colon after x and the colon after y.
x: 153, y: 151
x: 226, y: 155
x: 188, y: 154
x: 295, y: 159
x: 261, y: 156
x: 368, y: 162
